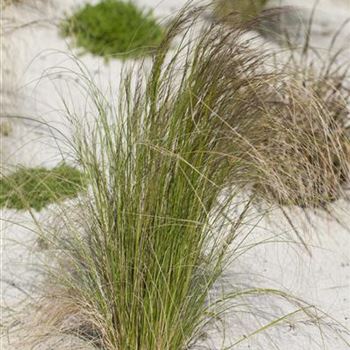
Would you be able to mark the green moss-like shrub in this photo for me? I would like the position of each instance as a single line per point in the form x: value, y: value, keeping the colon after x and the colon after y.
x: 114, y: 27
x: 37, y: 187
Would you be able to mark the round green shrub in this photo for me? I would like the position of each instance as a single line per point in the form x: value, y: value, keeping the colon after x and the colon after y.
x: 37, y: 187
x: 114, y: 28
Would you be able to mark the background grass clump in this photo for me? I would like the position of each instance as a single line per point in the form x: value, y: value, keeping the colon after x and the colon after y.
x: 114, y: 28
x: 246, y: 9
x: 294, y: 145
x: 37, y: 187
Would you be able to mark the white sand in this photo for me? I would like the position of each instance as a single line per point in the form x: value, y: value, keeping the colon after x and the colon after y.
x: 35, y: 66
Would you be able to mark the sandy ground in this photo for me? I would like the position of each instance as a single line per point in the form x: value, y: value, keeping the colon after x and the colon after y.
x: 37, y: 70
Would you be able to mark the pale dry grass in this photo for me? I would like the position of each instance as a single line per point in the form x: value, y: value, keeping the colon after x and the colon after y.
x: 297, y: 150
x: 294, y: 124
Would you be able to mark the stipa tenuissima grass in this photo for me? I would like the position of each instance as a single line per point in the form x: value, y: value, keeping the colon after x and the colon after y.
x: 135, y: 266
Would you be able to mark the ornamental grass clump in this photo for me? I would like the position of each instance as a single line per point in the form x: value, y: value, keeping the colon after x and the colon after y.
x: 114, y: 28
x: 152, y: 236
x: 136, y: 264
